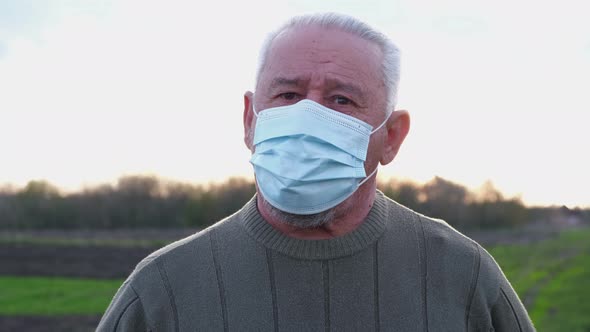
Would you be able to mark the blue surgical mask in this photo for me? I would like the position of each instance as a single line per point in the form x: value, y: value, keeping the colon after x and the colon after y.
x: 309, y: 158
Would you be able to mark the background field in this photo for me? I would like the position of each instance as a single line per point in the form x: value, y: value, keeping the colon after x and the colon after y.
x: 61, y: 281
x: 552, y: 277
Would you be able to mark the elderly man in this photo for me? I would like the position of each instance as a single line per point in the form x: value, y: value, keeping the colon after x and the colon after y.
x: 318, y: 247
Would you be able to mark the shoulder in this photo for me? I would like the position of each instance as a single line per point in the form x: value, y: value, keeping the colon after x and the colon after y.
x: 443, y: 238
x: 144, y: 300
x: 453, y: 260
x: 459, y: 257
x: 464, y: 255
x: 149, y: 295
x: 176, y: 256
x: 125, y: 312
x: 450, y: 258
x: 460, y: 264
x: 437, y: 237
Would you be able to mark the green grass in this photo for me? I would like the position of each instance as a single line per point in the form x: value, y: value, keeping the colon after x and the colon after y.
x: 554, y: 276
x: 55, y: 296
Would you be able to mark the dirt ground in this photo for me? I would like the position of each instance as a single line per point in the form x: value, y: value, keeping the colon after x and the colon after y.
x: 70, y: 261
x: 49, y: 324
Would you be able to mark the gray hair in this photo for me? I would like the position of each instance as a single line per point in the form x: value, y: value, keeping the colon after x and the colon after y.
x: 345, y: 23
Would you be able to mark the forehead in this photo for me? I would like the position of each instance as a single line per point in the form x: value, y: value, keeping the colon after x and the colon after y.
x: 317, y: 51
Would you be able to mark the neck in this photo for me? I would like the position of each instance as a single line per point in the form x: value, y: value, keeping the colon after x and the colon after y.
x: 349, y: 215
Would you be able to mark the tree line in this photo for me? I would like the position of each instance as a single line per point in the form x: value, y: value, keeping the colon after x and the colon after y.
x: 147, y: 201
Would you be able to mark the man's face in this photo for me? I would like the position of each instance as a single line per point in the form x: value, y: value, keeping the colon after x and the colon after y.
x: 331, y: 67
x: 342, y: 72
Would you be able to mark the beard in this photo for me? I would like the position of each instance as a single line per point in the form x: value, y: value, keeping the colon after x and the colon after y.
x: 302, y: 221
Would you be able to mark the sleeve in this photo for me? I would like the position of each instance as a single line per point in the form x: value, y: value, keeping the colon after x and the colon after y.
x: 495, y: 304
x: 508, y: 313
x: 125, y: 313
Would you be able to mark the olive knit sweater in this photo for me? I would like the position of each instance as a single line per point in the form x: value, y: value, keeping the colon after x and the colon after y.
x: 398, y: 271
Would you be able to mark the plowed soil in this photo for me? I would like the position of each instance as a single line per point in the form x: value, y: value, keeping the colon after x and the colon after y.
x: 70, y: 261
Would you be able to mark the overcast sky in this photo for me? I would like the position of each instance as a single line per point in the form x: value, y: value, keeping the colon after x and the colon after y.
x: 92, y: 90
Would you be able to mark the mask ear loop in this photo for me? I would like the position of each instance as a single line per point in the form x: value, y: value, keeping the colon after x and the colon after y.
x: 368, y: 177
x: 254, y: 110
x: 373, y: 131
x: 382, y: 123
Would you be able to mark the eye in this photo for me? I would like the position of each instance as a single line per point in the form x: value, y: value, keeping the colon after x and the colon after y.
x: 288, y: 95
x: 340, y: 100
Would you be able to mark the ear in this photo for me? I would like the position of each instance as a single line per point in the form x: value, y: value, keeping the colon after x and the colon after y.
x: 398, y: 127
x: 248, y: 119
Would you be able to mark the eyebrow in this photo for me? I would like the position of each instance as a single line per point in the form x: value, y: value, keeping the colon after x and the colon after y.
x: 357, y: 93
x: 283, y: 81
x: 346, y: 87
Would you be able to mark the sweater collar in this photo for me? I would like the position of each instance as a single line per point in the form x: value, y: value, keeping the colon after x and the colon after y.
x: 362, y: 237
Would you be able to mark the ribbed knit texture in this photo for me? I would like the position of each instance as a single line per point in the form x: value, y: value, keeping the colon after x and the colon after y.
x: 362, y: 237
x: 398, y: 271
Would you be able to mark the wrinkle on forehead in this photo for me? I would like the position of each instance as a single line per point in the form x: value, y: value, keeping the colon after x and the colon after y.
x: 312, y: 56
x: 328, y: 53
